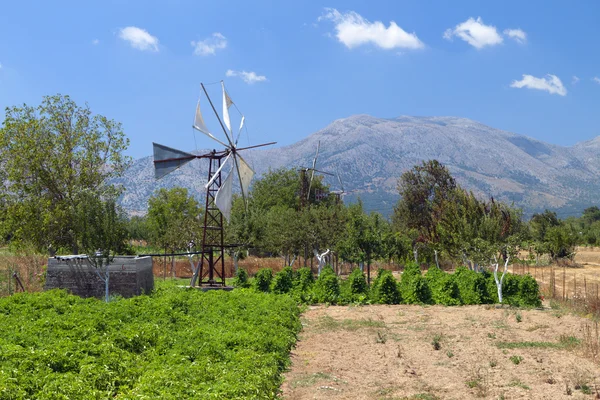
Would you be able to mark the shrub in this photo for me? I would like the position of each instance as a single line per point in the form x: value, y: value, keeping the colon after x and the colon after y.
x: 302, y: 285
x: 413, y: 286
x: 444, y: 289
x: 355, y: 288
x: 326, y: 288
x: 517, y: 290
x: 387, y: 291
x: 241, y: 279
x: 262, y: 279
x: 472, y: 286
x: 283, y: 281
x: 529, y: 292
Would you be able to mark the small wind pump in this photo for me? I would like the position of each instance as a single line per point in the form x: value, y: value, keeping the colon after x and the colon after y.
x: 306, y: 183
x: 219, y: 191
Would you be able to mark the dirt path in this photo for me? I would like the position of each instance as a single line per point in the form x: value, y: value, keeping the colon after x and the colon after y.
x: 387, y: 352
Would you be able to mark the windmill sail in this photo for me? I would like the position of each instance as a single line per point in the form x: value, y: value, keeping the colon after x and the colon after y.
x: 199, y: 121
x: 246, y: 174
x: 216, y: 174
x: 167, y: 159
x: 224, y: 196
x: 227, y: 102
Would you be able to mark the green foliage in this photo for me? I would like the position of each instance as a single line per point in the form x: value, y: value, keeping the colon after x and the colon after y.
x: 444, y: 289
x: 517, y: 290
x: 173, y: 344
x: 386, y: 290
x: 355, y: 288
x: 472, y: 287
x: 241, y: 279
x: 52, y: 159
x: 173, y: 219
x: 283, y: 281
x: 326, y: 288
x: 263, y: 279
x: 414, y: 288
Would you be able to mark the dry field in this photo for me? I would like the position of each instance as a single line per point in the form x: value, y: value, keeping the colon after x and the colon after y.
x: 436, y: 352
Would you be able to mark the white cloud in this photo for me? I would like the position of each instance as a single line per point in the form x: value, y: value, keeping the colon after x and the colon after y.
x: 353, y: 30
x: 476, y: 33
x: 575, y: 80
x: 210, y: 45
x: 95, y: 42
x: 549, y: 83
x: 0, y: 65
x: 517, y: 35
x: 596, y: 79
x: 248, y: 77
x: 139, y: 38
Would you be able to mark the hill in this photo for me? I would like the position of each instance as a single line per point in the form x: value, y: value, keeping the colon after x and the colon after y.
x: 371, y: 153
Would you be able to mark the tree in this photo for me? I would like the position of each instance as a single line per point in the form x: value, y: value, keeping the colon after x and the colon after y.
x: 104, y: 231
x: 424, y: 191
x: 174, y: 219
x: 54, y: 157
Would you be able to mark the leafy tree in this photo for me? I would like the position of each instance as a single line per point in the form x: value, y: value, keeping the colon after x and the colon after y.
x: 174, y: 219
x: 424, y: 190
x: 54, y: 157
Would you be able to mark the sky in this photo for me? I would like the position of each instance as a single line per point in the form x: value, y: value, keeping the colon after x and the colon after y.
x: 293, y: 67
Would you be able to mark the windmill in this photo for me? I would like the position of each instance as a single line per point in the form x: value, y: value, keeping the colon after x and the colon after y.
x: 219, y: 191
x: 306, y: 183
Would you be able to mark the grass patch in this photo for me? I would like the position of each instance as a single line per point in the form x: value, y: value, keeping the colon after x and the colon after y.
x: 516, y: 359
x: 536, y: 327
x: 328, y: 323
x: 421, y: 396
x: 309, y: 380
x: 565, y: 342
x: 519, y: 384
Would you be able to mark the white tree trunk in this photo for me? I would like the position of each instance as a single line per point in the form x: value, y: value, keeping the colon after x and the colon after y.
x: 293, y: 260
x: 416, y: 254
x: 321, y: 258
x: 499, y: 281
x: 436, y: 259
x: 195, y: 269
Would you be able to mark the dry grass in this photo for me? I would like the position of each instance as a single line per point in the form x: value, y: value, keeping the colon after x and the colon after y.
x: 30, y: 269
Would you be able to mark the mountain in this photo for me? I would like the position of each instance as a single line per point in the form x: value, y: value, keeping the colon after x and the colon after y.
x: 371, y: 153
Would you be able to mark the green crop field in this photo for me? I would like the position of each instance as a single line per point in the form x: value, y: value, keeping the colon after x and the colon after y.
x: 174, y: 344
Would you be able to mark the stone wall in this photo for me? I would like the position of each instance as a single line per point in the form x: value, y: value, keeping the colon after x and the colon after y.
x: 129, y: 276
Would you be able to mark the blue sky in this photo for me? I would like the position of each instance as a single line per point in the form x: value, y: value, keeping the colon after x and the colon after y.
x: 508, y: 64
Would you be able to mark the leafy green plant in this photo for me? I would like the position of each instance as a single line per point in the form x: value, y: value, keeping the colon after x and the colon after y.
x: 326, y: 288
x: 472, y: 286
x: 241, y: 279
x: 516, y: 359
x: 283, y: 281
x: 355, y: 288
x: 385, y: 290
x: 444, y: 289
x: 262, y: 279
x: 413, y: 286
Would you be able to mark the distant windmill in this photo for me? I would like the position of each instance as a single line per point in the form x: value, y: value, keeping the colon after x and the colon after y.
x: 305, y: 182
x: 218, y: 191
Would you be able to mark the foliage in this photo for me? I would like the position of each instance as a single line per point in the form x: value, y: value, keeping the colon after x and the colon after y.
x: 173, y: 344
x: 385, y: 288
x: 55, y: 157
x: 414, y: 288
x: 326, y: 288
x: 263, y: 279
x: 241, y: 279
x: 355, y: 288
x: 472, y: 286
x: 283, y: 281
x: 444, y: 289
x: 302, y: 285
x: 174, y: 219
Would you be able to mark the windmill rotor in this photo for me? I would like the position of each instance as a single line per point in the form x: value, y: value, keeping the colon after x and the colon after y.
x: 219, y: 192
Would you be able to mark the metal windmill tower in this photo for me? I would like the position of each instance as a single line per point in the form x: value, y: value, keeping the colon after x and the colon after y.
x: 211, y: 267
x: 306, y: 182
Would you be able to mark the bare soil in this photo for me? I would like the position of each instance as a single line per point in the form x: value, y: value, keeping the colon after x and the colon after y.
x: 390, y: 352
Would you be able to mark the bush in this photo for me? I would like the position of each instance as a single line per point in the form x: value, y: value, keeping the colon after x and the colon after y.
x: 262, y: 279
x: 387, y: 291
x: 302, y: 285
x: 241, y: 279
x: 529, y: 292
x: 444, y: 289
x: 413, y: 286
x: 283, y: 281
x: 326, y: 288
x: 355, y: 288
x: 472, y: 286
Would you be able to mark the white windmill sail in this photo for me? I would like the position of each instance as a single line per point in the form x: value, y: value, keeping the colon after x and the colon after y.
x: 217, y: 172
x: 240, y: 131
x: 224, y: 196
x: 246, y: 174
x: 227, y: 102
x: 199, y: 125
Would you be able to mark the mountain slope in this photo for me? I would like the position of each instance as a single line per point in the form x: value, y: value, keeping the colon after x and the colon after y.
x: 371, y: 153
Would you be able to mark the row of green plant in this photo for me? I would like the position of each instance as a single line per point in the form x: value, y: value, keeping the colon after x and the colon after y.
x: 434, y: 287
x: 172, y: 344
